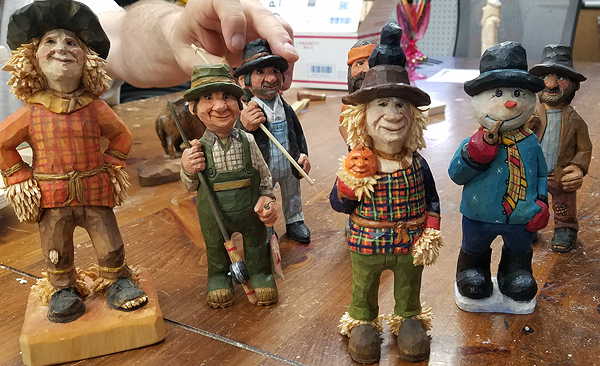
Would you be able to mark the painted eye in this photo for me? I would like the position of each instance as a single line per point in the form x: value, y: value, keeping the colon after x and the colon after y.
x: 517, y: 93
x: 399, y: 105
x: 498, y: 93
x: 382, y: 104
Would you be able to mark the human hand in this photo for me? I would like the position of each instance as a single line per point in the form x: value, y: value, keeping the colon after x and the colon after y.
x: 223, y: 27
x: 480, y: 150
x: 265, y: 209
x: 540, y: 220
x: 252, y: 116
x: 572, y: 179
x: 192, y: 159
x: 304, y: 163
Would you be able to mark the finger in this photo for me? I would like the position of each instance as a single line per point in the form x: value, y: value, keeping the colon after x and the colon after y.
x: 232, y: 23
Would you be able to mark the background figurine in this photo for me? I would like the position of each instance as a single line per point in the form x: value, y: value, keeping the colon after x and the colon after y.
x: 239, y: 180
x: 261, y: 74
x: 503, y: 172
x: 358, y: 64
x: 564, y: 138
x: 167, y: 131
x: 388, y: 189
x: 72, y: 181
x: 490, y: 21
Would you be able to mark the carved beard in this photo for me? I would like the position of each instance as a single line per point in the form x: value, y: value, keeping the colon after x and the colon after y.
x: 561, y: 97
x: 354, y: 83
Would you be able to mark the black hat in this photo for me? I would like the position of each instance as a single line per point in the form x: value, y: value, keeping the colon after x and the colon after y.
x: 504, y: 65
x: 257, y: 55
x: 387, y: 76
x: 557, y: 59
x: 41, y: 16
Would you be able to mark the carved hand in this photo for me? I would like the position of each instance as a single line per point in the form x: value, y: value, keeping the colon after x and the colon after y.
x: 572, y: 179
x: 192, y: 159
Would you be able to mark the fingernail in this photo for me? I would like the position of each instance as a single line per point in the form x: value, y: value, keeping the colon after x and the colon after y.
x: 290, y: 49
x: 238, y: 42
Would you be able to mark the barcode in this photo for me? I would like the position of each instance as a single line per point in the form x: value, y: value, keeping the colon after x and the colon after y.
x: 321, y: 69
x: 336, y: 20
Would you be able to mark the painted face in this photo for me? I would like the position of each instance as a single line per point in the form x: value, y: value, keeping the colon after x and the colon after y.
x: 361, y: 162
x: 266, y: 82
x: 60, y: 55
x: 514, y: 106
x: 388, y: 120
x: 356, y: 73
x: 219, y: 112
x: 558, y: 89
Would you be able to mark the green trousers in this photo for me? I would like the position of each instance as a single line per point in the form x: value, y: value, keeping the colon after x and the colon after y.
x: 366, y: 270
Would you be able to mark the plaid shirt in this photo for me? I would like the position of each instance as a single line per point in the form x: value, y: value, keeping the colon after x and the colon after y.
x: 399, y: 196
x: 63, y: 143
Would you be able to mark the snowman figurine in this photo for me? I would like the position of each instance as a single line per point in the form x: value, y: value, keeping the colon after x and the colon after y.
x: 503, y: 173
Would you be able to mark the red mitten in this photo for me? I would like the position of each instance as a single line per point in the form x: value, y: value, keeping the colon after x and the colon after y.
x: 540, y: 220
x: 433, y: 222
x: 344, y: 190
x: 479, y: 150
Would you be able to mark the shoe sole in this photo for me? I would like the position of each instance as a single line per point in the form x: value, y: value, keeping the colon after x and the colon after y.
x: 68, y: 318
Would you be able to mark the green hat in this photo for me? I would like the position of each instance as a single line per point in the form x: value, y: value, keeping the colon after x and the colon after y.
x: 210, y: 78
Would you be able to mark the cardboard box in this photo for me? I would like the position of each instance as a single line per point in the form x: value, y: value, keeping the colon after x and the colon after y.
x: 324, y: 32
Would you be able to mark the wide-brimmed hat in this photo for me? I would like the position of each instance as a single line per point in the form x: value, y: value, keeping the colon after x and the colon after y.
x: 557, y: 59
x: 387, y: 76
x: 257, y: 55
x: 504, y: 65
x: 34, y: 20
x: 210, y: 78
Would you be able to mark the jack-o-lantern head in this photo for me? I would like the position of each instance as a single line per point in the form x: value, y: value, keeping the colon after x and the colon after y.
x: 361, y: 162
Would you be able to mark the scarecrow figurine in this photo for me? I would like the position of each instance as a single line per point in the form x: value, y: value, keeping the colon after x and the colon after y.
x: 564, y: 138
x: 387, y: 188
x: 503, y: 171
x: 261, y: 74
x: 57, y: 70
x: 239, y: 180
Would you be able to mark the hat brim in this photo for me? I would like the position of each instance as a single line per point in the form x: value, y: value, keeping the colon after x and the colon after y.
x: 504, y: 78
x: 544, y: 69
x: 262, y: 62
x: 408, y: 92
x: 34, y: 20
x: 197, y: 92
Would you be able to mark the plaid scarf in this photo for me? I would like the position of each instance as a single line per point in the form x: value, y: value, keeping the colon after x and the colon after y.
x: 517, y: 181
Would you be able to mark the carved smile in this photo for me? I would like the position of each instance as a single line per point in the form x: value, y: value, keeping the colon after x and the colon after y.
x: 507, y: 120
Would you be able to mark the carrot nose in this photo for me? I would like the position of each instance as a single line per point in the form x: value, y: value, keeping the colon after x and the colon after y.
x: 510, y: 104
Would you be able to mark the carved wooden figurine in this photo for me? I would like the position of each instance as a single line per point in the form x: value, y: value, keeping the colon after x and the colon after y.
x: 564, y: 138
x: 261, y: 74
x: 57, y: 70
x: 387, y: 188
x: 167, y: 131
x: 239, y: 180
x: 503, y: 173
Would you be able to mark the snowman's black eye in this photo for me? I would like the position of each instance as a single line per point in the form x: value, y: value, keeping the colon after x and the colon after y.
x: 517, y: 93
x: 498, y: 93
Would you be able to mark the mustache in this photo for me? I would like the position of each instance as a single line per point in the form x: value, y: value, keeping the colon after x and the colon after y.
x: 270, y: 85
x: 552, y: 90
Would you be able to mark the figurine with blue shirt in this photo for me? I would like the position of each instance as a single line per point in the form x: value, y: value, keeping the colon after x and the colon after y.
x: 503, y: 173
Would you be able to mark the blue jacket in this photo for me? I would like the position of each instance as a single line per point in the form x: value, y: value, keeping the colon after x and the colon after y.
x: 485, y: 185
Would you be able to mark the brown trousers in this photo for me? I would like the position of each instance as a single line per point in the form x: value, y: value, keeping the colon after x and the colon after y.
x: 564, y: 206
x: 56, y: 232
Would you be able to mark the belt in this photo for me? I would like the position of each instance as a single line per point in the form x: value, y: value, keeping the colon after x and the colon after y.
x: 401, y: 226
x: 75, y: 183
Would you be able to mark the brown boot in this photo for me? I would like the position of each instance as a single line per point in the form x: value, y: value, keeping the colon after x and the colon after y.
x: 364, y: 345
x: 413, y: 341
x: 266, y: 296
x: 220, y: 298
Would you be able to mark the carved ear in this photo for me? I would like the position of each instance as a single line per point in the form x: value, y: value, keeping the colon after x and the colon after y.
x: 192, y: 107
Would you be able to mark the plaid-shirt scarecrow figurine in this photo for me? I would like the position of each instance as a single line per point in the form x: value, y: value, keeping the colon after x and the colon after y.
x: 388, y: 189
x: 57, y: 70
x: 239, y: 180
x: 503, y: 173
x: 261, y: 75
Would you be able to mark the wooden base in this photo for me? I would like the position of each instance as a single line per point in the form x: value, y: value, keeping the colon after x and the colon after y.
x: 159, y: 170
x: 99, y: 331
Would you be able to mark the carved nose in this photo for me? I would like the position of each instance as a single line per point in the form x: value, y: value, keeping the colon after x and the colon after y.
x: 510, y: 104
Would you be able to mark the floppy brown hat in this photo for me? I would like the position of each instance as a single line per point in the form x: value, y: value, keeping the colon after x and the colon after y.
x: 34, y: 20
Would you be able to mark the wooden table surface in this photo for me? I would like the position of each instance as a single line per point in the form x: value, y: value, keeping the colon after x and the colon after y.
x: 161, y: 231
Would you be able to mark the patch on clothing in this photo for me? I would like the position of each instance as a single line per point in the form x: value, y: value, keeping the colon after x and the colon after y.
x: 561, y: 210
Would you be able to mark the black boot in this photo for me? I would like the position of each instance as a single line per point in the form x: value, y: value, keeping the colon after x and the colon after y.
x: 364, y: 345
x: 65, y: 305
x: 473, y: 277
x: 515, y: 277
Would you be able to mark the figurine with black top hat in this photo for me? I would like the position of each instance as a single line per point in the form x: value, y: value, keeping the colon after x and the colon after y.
x: 503, y: 173
x: 387, y: 188
x: 565, y: 140
x: 261, y: 75
x: 57, y: 71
